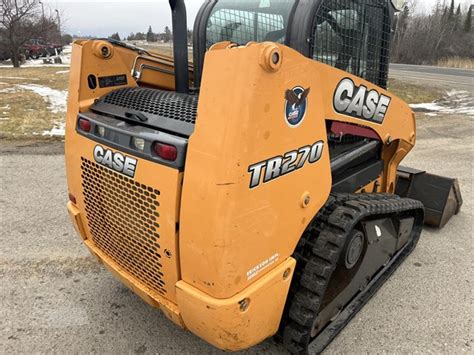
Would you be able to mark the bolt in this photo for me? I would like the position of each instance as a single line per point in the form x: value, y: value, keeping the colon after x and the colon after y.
x: 105, y: 51
x: 286, y: 274
x: 275, y: 58
x: 307, y: 200
x: 244, y: 304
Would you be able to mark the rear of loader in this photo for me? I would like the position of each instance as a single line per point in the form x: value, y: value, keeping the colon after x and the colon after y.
x: 247, y: 195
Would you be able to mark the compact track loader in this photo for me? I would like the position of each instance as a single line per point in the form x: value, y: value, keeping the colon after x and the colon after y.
x: 256, y: 191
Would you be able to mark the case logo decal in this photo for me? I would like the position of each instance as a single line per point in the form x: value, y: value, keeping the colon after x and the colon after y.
x: 276, y: 167
x: 360, y: 102
x: 296, y: 103
x: 115, y: 161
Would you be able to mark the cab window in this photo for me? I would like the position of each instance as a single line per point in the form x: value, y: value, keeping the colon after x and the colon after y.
x: 249, y: 20
x: 354, y: 36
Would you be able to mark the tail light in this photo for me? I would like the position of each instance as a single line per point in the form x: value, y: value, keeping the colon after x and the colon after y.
x: 165, y: 151
x: 84, y: 125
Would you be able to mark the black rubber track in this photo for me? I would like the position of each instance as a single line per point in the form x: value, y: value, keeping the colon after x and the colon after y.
x: 318, y: 253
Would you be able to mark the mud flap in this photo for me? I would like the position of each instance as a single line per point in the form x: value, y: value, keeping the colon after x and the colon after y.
x: 440, y: 195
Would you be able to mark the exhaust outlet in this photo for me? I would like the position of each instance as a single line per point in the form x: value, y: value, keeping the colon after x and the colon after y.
x: 180, y: 45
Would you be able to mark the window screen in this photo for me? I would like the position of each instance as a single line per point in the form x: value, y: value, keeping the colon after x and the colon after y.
x: 249, y: 20
x: 354, y: 36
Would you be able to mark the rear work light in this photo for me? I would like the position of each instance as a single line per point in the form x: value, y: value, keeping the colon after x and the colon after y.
x: 101, y: 131
x: 165, y: 151
x: 84, y: 125
x: 138, y: 143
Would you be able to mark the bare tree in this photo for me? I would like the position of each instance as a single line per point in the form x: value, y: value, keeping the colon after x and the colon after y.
x: 22, y: 21
x: 421, y: 38
x: 17, y: 20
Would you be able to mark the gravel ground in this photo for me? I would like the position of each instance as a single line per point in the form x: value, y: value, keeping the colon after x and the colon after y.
x: 55, y: 298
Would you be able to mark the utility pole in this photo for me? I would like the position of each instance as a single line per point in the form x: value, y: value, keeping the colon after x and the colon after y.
x: 42, y: 9
x: 59, y: 22
x: 42, y: 18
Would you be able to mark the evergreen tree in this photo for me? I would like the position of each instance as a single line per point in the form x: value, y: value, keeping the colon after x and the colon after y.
x: 115, y: 36
x: 167, y: 34
x: 150, y: 36
x: 451, y: 11
x: 457, y: 18
x: 131, y: 36
x: 468, y: 21
x: 140, y: 36
x: 444, y: 16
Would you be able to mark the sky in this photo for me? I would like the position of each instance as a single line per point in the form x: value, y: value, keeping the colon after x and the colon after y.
x: 102, y: 18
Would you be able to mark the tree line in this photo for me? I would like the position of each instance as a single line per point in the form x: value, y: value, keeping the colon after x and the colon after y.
x: 444, y: 33
x: 150, y: 36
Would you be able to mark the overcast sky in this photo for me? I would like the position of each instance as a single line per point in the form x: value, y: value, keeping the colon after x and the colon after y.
x: 102, y: 18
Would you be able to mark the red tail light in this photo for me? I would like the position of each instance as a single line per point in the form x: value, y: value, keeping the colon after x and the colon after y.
x: 84, y: 125
x: 165, y: 151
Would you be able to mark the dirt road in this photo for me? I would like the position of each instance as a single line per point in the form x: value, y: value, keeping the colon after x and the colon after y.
x: 56, y: 298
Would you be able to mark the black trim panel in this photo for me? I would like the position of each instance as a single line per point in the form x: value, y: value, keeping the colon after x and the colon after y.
x: 119, y: 135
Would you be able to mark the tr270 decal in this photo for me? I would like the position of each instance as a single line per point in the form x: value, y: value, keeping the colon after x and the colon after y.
x: 276, y: 167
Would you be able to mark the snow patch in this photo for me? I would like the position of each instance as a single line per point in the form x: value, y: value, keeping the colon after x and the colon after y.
x: 62, y: 72
x: 454, y: 102
x: 57, y: 99
x: 8, y: 91
x: 18, y: 78
x: 59, y: 130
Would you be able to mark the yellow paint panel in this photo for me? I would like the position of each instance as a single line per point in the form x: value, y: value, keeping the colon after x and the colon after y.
x: 224, y: 324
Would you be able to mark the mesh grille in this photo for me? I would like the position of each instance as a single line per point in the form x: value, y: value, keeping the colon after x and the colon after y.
x: 166, y: 104
x: 122, y: 216
x: 354, y: 36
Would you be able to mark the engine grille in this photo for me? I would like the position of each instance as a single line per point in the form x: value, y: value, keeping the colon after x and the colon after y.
x: 168, y: 105
x: 122, y: 216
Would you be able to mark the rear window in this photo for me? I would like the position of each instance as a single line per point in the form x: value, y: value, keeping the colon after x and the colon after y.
x: 249, y: 20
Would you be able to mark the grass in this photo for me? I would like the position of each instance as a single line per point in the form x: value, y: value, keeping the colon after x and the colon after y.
x: 457, y: 62
x: 23, y: 113
x: 414, y: 94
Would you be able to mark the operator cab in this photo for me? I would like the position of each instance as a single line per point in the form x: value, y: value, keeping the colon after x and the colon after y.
x: 353, y: 36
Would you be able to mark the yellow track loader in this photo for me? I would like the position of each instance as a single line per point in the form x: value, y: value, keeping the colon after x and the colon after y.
x: 256, y: 190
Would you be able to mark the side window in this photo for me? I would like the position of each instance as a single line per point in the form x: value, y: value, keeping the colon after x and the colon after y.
x: 353, y: 36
